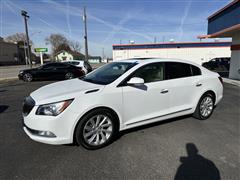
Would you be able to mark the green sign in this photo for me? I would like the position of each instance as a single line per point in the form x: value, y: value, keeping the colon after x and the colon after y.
x: 41, y: 50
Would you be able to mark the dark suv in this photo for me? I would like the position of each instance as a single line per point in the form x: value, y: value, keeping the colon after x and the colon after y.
x: 220, y: 65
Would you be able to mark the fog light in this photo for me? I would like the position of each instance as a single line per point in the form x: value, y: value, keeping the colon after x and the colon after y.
x: 46, y: 134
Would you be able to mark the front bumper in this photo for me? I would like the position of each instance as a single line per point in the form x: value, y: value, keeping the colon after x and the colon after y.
x: 46, y: 140
x: 61, y: 126
x: 20, y: 76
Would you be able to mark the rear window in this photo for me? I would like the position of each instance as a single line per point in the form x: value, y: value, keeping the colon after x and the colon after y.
x: 74, y: 63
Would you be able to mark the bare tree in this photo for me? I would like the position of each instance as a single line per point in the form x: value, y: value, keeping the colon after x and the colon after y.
x: 75, y: 46
x: 56, y: 40
x: 18, y: 37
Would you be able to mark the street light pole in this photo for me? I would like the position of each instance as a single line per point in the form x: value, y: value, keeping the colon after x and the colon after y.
x: 85, y: 35
x: 25, y: 16
x: 25, y: 53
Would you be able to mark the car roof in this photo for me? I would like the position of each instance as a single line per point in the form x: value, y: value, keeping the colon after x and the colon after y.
x: 152, y: 60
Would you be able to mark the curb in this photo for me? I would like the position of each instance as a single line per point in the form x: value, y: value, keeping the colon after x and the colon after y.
x: 231, y: 81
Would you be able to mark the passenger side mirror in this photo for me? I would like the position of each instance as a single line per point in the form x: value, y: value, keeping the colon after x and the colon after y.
x: 136, y: 81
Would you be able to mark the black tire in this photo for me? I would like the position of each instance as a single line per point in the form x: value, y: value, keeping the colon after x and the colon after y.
x: 69, y: 75
x: 27, y: 77
x: 80, y: 129
x: 198, y: 114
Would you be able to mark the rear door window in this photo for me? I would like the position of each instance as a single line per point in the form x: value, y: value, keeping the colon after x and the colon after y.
x: 174, y: 70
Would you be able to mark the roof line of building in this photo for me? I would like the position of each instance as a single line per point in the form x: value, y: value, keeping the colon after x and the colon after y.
x: 233, y: 28
x: 174, y: 48
x: 171, y: 43
x: 223, y: 9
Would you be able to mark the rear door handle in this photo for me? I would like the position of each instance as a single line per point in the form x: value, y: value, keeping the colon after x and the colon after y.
x: 199, y: 84
x: 163, y: 91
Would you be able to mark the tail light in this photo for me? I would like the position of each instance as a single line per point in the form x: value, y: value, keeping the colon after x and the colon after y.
x: 220, y: 79
x: 81, y: 70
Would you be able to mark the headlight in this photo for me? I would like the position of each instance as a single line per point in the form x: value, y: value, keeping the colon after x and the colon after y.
x: 20, y: 72
x: 53, y: 109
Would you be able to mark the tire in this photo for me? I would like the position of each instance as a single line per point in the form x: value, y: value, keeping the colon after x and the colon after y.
x: 96, y: 129
x: 69, y: 75
x: 27, y: 77
x: 205, y: 107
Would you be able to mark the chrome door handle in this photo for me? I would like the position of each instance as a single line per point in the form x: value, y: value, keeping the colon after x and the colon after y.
x: 198, y: 84
x: 163, y: 91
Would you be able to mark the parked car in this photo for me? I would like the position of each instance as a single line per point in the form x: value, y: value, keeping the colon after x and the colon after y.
x: 220, y: 65
x: 51, y: 71
x: 120, y: 95
x: 81, y: 63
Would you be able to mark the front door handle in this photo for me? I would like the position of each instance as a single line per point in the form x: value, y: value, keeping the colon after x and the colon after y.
x: 199, y: 84
x: 163, y: 91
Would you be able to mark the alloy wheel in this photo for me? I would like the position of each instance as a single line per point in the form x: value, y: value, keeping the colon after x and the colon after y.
x: 97, y: 130
x: 206, y: 106
x: 27, y: 77
x: 69, y: 76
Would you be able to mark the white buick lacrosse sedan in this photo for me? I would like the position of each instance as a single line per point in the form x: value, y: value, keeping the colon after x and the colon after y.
x: 124, y: 94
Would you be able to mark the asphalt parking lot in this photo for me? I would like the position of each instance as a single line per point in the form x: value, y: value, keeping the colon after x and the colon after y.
x: 174, y: 149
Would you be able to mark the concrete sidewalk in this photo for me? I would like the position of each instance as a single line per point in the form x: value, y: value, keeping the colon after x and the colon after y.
x: 11, y: 72
x: 231, y: 81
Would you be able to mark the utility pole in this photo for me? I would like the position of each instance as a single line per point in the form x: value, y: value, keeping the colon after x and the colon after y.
x: 25, y: 16
x: 103, y: 54
x: 85, y: 35
x: 25, y: 53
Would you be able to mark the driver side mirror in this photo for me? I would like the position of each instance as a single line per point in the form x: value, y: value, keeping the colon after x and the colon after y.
x: 136, y: 81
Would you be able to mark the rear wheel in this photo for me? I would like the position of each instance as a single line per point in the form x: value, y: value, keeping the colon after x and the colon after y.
x: 96, y: 129
x: 205, y: 107
x: 69, y: 75
x: 27, y: 77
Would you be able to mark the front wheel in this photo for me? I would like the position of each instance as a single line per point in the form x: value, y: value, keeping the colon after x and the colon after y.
x: 27, y: 77
x: 205, y: 107
x: 96, y: 129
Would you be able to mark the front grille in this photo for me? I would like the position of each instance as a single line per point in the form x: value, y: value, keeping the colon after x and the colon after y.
x: 28, y: 105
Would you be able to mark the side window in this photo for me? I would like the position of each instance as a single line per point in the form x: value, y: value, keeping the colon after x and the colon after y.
x: 48, y: 66
x: 195, y: 71
x: 61, y: 65
x: 150, y: 73
x: 177, y: 70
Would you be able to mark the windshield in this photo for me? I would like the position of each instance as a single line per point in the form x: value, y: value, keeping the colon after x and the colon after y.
x: 108, y: 73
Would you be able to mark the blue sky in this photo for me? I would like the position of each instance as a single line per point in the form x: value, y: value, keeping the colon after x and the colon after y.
x: 110, y: 21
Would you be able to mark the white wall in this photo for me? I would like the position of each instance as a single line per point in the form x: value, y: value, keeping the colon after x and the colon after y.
x: 235, y: 60
x: 198, y: 55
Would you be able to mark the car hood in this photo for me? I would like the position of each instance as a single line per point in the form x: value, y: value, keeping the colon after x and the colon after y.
x: 63, y: 90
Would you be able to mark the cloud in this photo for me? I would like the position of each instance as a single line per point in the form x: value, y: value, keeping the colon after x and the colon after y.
x: 119, y: 26
x: 77, y: 12
x: 68, y: 21
x: 184, y: 17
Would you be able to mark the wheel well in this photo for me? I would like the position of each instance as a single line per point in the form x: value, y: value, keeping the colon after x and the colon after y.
x: 102, y: 107
x: 213, y: 94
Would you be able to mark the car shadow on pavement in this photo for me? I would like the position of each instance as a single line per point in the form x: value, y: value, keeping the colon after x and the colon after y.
x: 3, y: 108
x: 196, y: 167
